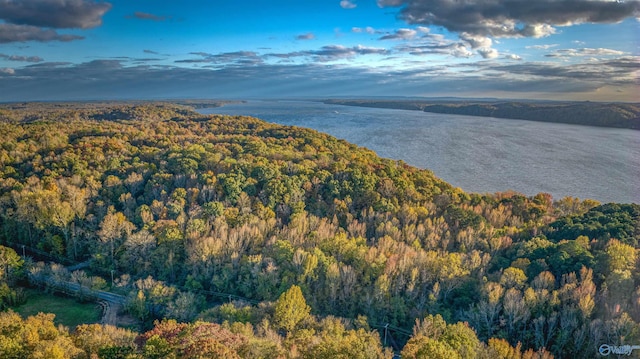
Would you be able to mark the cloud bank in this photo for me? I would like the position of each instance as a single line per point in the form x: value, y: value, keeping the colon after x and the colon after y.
x: 121, y: 79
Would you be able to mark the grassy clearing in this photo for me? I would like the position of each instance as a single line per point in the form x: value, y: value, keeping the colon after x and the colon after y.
x: 67, y: 310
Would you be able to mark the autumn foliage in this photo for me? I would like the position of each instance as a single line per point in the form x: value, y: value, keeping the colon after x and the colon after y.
x: 301, y: 234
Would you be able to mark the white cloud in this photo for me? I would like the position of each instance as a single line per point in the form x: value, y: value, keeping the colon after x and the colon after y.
x: 330, y: 53
x: 513, y: 57
x: 400, y: 34
x: 538, y: 30
x: 7, y: 70
x: 347, y: 4
x: 584, y: 52
x: 476, y: 41
x: 488, y: 53
x: 542, y: 47
x: 461, y: 51
x: 368, y: 30
x: 435, y: 44
x: 307, y: 36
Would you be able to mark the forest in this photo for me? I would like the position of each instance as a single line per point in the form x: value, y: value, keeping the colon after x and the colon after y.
x: 232, y: 237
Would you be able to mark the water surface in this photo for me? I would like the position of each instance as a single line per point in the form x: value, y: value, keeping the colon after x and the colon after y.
x: 479, y: 154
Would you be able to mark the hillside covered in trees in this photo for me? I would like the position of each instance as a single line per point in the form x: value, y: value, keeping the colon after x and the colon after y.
x: 618, y: 115
x: 254, y: 240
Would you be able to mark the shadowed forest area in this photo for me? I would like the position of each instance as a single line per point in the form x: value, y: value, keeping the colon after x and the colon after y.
x: 233, y: 237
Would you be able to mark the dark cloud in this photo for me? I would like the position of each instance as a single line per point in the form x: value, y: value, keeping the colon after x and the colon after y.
x: 145, y: 59
x: 21, y: 58
x: 146, y: 16
x: 307, y: 36
x: 50, y: 65
x: 21, y: 33
x: 59, y: 14
x: 135, y: 60
x: 511, y: 18
x: 335, y: 52
x: 204, y: 54
x: 624, y: 63
x: 150, y: 52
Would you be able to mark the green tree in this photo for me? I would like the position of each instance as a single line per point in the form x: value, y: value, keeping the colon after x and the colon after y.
x: 290, y: 309
x: 10, y: 264
x: 461, y: 338
x: 92, y: 338
x: 620, y: 256
x: 422, y: 347
x: 513, y: 278
x: 138, y: 307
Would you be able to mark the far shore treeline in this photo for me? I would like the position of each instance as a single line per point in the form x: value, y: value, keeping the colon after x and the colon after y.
x: 618, y: 115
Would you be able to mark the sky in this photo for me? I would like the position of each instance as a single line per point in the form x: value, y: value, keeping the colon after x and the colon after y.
x: 153, y: 49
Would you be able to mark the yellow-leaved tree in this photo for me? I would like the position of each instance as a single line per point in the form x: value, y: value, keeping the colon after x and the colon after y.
x: 290, y: 309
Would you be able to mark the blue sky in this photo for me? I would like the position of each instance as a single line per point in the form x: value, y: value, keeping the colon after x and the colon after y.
x: 142, y: 49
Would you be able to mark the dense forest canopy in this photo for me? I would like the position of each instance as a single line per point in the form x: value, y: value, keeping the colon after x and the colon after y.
x: 329, y: 250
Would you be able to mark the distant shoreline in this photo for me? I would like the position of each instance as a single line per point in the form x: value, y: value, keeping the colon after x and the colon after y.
x: 613, y: 115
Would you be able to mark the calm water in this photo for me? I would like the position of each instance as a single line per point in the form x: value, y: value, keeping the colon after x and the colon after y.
x: 479, y: 154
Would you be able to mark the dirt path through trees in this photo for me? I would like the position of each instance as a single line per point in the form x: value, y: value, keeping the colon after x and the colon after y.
x: 109, y: 312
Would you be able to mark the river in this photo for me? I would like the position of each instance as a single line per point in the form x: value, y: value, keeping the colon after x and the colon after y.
x: 478, y: 154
